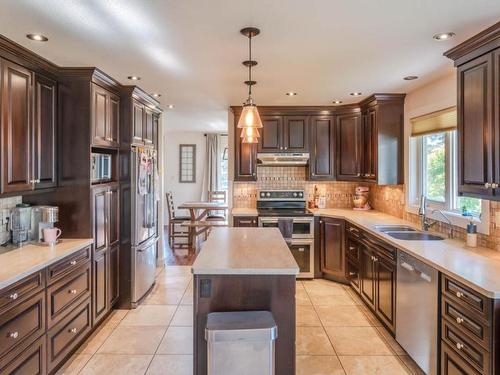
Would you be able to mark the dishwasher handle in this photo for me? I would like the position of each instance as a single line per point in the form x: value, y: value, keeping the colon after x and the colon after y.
x: 422, y: 275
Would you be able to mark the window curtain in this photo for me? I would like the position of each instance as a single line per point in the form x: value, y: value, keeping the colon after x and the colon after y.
x: 212, y: 165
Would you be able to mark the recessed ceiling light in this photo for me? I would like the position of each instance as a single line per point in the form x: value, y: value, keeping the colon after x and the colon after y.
x: 291, y: 93
x: 410, y: 78
x: 444, y: 36
x: 155, y: 95
x: 37, y: 37
x: 170, y: 106
x: 337, y: 102
x: 134, y: 78
x: 356, y: 93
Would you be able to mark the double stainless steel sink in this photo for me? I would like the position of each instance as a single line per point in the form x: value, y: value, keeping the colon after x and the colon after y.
x: 407, y: 233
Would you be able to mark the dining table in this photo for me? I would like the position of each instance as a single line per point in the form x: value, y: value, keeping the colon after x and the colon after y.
x: 198, y: 223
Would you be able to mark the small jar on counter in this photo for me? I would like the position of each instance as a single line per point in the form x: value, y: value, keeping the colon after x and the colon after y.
x: 471, y: 235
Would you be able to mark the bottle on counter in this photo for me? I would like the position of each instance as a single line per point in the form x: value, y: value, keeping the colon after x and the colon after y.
x: 316, y: 196
x: 471, y: 235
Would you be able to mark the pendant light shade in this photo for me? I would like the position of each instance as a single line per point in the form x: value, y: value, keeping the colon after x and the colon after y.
x: 250, y: 135
x: 250, y: 117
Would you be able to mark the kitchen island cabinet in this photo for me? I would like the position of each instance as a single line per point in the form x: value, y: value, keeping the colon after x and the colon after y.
x: 246, y: 269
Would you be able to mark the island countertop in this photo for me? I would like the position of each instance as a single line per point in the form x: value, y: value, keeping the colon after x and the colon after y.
x: 245, y: 251
x: 21, y: 262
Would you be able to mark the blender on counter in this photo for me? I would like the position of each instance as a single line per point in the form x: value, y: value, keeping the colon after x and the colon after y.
x: 361, y: 194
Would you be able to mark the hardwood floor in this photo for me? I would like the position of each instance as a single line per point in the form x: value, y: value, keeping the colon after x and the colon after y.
x: 177, y: 257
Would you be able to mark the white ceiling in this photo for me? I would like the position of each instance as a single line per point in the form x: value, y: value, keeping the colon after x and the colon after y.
x: 191, y: 50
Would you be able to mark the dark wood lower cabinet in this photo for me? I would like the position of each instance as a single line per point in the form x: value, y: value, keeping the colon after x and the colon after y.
x: 332, y: 249
x: 114, y: 276
x: 245, y: 221
x: 26, y: 361
x: 385, y: 302
x: 453, y: 364
x: 68, y: 333
x: 100, y: 290
x: 367, y: 276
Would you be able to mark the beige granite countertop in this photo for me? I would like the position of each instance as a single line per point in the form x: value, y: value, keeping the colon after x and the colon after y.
x: 245, y: 251
x: 244, y: 212
x: 21, y: 262
x: 478, y: 268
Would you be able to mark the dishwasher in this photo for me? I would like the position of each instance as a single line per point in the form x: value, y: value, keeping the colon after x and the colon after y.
x: 417, y: 311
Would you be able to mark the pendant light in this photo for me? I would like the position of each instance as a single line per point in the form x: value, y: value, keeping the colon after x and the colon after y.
x: 250, y: 118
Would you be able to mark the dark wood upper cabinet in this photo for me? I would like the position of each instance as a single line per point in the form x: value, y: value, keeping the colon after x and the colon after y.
x: 245, y: 161
x: 113, y: 128
x: 369, y: 145
x: 105, y: 117
x: 45, y: 137
x: 475, y: 125
x: 349, y: 146
x: 332, y: 249
x: 147, y: 130
x: 271, y: 134
x: 382, y: 139
x: 16, y: 127
x: 138, y: 120
x: 295, y: 134
x: 322, y: 134
x: 478, y: 98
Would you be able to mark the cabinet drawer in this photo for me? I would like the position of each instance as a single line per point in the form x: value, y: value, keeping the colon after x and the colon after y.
x: 18, y: 292
x: 27, y: 361
x: 68, y: 333
x: 466, y: 322
x: 23, y: 322
x: 353, y: 274
x: 68, y: 264
x: 466, y: 297
x: 243, y: 221
x: 352, y: 250
x: 352, y: 230
x: 66, y: 292
x: 453, y: 364
x: 467, y: 348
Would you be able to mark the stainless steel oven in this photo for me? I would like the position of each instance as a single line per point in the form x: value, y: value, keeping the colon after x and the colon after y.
x: 303, y: 227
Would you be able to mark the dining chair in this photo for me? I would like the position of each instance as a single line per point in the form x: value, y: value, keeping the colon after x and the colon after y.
x: 175, y: 230
x: 217, y: 197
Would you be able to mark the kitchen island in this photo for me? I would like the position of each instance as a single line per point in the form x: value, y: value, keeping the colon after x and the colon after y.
x: 246, y: 269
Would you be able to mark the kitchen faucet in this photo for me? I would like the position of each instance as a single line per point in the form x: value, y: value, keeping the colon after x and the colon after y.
x: 425, y: 222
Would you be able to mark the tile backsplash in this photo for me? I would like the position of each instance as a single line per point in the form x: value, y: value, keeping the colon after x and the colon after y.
x: 6, y: 204
x: 389, y: 199
x: 338, y: 194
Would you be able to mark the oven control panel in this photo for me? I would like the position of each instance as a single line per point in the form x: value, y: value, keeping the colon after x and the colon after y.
x: 281, y: 195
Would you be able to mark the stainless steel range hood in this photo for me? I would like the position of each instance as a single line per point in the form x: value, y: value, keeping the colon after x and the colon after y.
x: 282, y: 159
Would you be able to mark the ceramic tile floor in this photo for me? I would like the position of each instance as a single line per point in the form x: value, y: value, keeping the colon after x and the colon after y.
x: 336, y: 334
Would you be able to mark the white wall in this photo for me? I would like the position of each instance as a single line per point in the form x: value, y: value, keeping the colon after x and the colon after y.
x: 183, y: 192
x: 437, y: 95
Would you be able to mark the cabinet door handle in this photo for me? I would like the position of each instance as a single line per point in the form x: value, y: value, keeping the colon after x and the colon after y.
x: 494, y: 185
x: 72, y: 263
x: 286, y: 148
x: 14, y: 296
x: 352, y: 273
x: 460, y: 320
x: 352, y: 248
x: 358, y: 175
x: 73, y: 330
x: 14, y: 335
x: 459, y: 294
x: 72, y: 291
x: 460, y: 346
x: 487, y: 185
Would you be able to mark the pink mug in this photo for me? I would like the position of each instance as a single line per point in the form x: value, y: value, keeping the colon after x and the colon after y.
x: 50, y: 235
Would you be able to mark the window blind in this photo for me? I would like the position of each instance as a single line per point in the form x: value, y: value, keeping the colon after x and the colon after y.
x: 435, y: 122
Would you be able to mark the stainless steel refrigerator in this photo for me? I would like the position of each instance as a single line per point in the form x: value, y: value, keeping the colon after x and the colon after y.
x: 144, y: 211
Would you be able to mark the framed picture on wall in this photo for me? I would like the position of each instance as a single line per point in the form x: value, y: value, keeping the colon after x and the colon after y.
x: 187, y: 163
